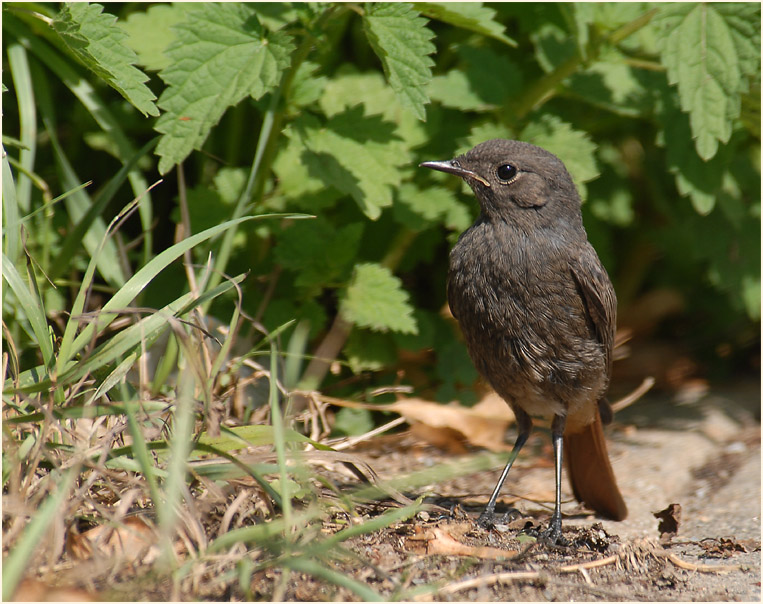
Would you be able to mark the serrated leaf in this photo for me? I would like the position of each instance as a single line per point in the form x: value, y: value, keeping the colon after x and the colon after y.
x: 221, y: 55
x: 356, y: 154
x: 573, y: 147
x: 375, y: 299
x: 695, y: 178
x: 485, y: 81
x: 704, y: 53
x: 553, y: 45
x: 150, y: 32
x: 614, y: 85
x: 454, y: 90
x: 321, y: 254
x: 371, y: 90
x: 401, y: 40
x: 484, y: 132
x: 295, y: 182
x: 421, y: 208
x: 99, y: 43
x: 743, y: 21
x: 466, y: 15
x: 307, y: 87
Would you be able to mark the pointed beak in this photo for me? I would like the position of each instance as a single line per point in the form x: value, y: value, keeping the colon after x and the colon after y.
x: 451, y: 166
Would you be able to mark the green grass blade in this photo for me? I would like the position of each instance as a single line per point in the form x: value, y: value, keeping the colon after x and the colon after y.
x: 22, y: 82
x: 32, y: 307
x: 99, y: 247
x: 181, y: 443
x: 87, y: 95
x: 74, y: 239
x: 65, y: 349
x: 148, y: 329
x: 142, y: 456
x: 90, y: 411
x: 127, y: 293
x: 113, y: 378
x: 375, y: 524
x: 262, y: 533
x: 11, y: 222
x: 312, y: 567
x: 279, y: 437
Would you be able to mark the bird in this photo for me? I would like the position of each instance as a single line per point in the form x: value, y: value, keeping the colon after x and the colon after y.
x: 538, y: 312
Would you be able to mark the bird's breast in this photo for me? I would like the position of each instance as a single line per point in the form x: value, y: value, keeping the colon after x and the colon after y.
x: 521, y: 314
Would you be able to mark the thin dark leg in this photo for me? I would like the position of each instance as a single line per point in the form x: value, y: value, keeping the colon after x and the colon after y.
x: 554, y: 532
x: 524, y: 427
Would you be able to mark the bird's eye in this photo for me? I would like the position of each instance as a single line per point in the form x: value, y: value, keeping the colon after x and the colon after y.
x: 506, y: 172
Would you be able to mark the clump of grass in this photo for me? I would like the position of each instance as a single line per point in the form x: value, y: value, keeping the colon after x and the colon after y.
x: 113, y: 468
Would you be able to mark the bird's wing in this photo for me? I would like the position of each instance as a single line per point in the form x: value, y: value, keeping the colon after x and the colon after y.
x: 598, y: 296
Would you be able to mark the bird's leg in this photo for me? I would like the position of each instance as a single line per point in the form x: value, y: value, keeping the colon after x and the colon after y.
x: 524, y: 427
x: 553, y: 534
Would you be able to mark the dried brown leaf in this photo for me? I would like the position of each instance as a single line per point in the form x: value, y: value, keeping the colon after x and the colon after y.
x: 438, y: 541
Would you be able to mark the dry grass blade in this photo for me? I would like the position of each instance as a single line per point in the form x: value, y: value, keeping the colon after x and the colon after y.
x: 631, y: 398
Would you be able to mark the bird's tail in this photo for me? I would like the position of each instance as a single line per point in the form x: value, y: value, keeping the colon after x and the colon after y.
x: 591, y: 476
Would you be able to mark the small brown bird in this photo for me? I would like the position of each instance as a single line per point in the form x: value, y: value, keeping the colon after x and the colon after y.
x: 537, y: 310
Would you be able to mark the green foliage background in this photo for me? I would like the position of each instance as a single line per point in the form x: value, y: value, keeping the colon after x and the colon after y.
x: 327, y: 109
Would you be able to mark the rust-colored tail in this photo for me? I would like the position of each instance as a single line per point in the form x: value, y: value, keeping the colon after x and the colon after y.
x: 590, y: 472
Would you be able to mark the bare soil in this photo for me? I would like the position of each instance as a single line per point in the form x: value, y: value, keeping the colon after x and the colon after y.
x: 703, y: 455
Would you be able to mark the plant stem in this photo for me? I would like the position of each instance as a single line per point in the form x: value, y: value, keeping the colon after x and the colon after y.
x: 272, y: 123
x: 544, y: 88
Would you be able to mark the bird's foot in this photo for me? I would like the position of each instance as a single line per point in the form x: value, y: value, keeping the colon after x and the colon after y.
x: 550, y: 536
x: 553, y: 534
x: 488, y: 519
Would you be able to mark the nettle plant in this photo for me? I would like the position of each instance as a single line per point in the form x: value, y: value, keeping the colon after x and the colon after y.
x: 327, y: 108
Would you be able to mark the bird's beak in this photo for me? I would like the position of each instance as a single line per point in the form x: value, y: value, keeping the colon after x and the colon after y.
x: 452, y: 167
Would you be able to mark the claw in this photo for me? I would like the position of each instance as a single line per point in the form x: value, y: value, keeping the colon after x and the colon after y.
x: 488, y: 520
x: 553, y: 534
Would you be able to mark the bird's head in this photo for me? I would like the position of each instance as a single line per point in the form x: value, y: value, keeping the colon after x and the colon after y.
x: 517, y: 182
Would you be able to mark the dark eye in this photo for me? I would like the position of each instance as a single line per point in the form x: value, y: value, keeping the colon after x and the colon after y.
x: 506, y: 172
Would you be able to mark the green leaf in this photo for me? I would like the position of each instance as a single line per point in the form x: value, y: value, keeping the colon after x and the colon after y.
x: 356, y: 154
x: 151, y: 32
x: 29, y: 300
x: 743, y: 21
x: 353, y: 421
x: 486, y: 80
x: 455, y: 90
x: 751, y: 295
x: 221, y: 55
x: 553, y: 44
x: 320, y: 254
x: 707, y: 50
x: 375, y: 299
x: 295, y: 182
x: 371, y: 89
x: 612, y: 84
x: 419, y: 209
x: 695, y: 178
x: 466, y: 15
x: 484, y: 132
x: 369, y: 351
x: 401, y: 40
x: 573, y: 147
x: 307, y: 87
x: 98, y: 42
